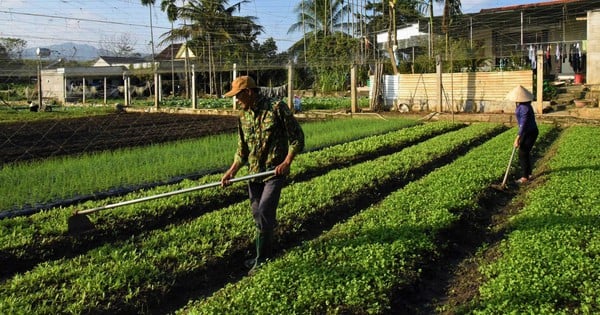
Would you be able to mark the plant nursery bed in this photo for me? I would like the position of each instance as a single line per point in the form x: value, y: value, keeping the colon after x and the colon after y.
x: 31, y: 140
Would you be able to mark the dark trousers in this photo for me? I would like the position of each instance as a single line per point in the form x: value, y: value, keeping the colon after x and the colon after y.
x: 264, y: 198
x: 525, y: 145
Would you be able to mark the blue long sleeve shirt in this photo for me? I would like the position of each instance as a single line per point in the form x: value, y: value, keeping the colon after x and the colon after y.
x: 525, y: 118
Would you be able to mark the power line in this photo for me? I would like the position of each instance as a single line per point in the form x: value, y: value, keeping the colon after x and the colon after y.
x: 81, y: 19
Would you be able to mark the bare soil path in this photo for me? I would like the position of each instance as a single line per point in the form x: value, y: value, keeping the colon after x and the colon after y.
x: 33, y: 140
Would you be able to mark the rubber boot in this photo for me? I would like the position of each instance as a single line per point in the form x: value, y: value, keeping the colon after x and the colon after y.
x: 264, y: 250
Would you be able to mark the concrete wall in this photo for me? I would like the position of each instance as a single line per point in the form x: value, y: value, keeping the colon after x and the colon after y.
x: 53, y: 85
x: 593, y: 48
x: 462, y: 92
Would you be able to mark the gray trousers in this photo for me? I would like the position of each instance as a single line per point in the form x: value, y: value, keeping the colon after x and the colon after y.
x: 264, y: 199
x: 525, y: 146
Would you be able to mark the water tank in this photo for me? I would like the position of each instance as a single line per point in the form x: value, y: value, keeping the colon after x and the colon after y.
x: 42, y: 52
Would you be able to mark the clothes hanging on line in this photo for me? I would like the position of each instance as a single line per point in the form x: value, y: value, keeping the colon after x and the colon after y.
x: 556, y: 54
x: 576, y: 58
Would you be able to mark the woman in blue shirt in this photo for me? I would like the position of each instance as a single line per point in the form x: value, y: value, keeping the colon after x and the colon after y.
x: 528, y: 130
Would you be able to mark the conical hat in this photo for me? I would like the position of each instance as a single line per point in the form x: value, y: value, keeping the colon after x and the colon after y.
x: 519, y: 94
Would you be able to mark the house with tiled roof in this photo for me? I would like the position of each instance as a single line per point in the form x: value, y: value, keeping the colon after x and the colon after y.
x: 175, y: 51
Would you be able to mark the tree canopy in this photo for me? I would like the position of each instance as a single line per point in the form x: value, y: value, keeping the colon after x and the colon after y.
x: 11, y: 48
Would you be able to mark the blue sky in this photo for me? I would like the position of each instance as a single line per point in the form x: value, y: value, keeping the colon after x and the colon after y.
x: 47, y: 22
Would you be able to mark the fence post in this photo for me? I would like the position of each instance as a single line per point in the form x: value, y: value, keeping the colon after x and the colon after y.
x: 194, y: 99
x: 540, y: 82
x: 126, y: 96
x: 438, y: 70
x: 353, y: 96
x: 156, y: 87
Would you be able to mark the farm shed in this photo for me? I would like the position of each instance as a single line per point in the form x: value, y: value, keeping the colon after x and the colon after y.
x: 106, y: 78
x: 58, y: 84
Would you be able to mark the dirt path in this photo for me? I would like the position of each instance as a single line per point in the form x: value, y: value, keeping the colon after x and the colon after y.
x: 450, y: 284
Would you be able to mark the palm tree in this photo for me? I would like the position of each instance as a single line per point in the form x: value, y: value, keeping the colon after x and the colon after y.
x: 214, y: 27
x: 150, y: 3
x: 390, y: 14
x: 319, y: 17
x: 452, y: 8
x: 170, y: 8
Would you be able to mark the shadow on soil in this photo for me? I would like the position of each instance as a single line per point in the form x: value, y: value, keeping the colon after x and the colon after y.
x: 450, y: 281
x: 229, y: 269
x: 72, y: 245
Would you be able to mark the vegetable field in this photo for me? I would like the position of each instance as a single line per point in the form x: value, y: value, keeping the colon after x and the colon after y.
x: 390, y: 216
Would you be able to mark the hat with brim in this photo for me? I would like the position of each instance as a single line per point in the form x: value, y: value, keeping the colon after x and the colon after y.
x: 240, y: 84
x: 519, y: 95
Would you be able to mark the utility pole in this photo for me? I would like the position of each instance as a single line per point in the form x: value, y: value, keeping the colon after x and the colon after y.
x: 430, y: 28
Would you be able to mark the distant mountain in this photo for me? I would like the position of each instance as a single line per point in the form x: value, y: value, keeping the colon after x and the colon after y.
x: 68, y: 51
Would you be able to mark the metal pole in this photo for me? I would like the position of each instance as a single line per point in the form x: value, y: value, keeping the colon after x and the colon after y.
x: 172, y: 66
x: 521, y: 28
x: 194, y: 99
x: 438, y: 70
x: 471, y: 31
x: 40, y: 83
x: 83, y: 89
x: 105, y: 85
x: 290, y: 84
x: 234, y: 76
x: 353, y: 96
x: 156, y: 86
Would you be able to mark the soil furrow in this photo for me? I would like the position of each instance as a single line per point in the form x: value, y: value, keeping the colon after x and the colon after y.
x: 451, y: 280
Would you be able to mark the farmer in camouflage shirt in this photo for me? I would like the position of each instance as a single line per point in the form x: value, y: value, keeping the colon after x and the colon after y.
x: 269, y: 139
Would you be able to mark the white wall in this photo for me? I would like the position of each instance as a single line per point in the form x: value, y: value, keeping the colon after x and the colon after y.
x: 593, y: 47
x: 402, y: 33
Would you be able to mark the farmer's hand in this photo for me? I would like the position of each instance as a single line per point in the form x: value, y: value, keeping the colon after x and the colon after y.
x: 516, y: 144
x: 283, y: 168
x: 225, y: 180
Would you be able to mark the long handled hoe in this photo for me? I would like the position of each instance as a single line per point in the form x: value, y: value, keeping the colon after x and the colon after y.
x: 79, y: 222
x: 502, y: 187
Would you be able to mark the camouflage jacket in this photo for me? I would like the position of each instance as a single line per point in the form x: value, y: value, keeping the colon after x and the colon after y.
x: 266, y: 135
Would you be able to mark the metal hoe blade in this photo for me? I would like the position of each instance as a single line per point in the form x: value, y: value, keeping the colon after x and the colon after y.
x: 79, y: 222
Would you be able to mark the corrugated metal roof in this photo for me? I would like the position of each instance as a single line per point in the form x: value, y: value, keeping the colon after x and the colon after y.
x: 531, y: 6
x: 121, y: 60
